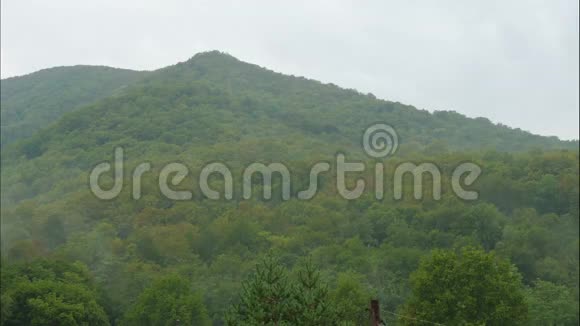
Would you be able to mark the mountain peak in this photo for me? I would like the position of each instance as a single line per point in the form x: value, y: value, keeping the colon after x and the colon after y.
x: 212, y: 55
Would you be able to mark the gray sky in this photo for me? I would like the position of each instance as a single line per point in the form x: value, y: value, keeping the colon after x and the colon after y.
x: 514, y: 62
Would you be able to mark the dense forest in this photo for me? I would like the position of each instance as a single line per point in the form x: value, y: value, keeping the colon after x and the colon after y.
x: 68, y: 258
x: 33, y: 102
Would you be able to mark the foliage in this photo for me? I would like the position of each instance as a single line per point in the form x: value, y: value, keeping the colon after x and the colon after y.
x: 33, y: 102
x: 472, y: 287
x: 169, y: 301
x: 216, y: 108
x: 551, y: 304
x: 351, y: 298
x: 270, y: 298
x: 49, y: 293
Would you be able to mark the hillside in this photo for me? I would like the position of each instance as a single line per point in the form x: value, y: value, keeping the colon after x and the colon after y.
x: 313, y: 107
x: 137, y: 255
x: 33, y: 102
x: 215, y: 107
x: 316, y: 108
x: 306, y: 106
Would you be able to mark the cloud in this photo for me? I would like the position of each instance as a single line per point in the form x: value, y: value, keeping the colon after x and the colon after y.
x: 514, y: 62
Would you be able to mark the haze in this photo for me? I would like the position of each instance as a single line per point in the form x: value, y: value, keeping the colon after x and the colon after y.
x: 513, y: 62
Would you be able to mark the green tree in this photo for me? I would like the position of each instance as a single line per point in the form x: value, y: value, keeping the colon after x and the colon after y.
x: 351, y: 298
x: 266, y: 298
x: 49, y: 292
x: 470, y: 288
x: 168, y: 301
x: 271, y: 297
x: 551, y: 304
x: 54, y: 303
x: 313, y: 300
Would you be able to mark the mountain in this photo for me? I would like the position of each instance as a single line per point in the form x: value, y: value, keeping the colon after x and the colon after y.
x: 215, y: 107
x: 33, y: 102
x: 130, y: 257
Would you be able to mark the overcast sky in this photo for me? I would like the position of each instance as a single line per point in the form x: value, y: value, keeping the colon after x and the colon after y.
x: 514, y: 62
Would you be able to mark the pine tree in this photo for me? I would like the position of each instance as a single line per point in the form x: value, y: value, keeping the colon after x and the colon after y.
x: 270, y: 297
x: 312, y: 298
x: 266, y: 298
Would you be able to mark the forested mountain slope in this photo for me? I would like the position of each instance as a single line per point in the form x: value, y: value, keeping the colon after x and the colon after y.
x: 314, y: 108
x: 215, y: 107
x: 301, y: 105
x: 34, y: 101
x: 190, y: 257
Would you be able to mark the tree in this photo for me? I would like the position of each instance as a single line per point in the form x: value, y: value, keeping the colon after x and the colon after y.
x: 551, y: 304
x: 351, y: 298
x: 270, y: 297
x: 49, y: 292
x: 266, y: 297
x: 54, y: 303
x: 470, y: 288
x: 168, y: 301
x: 312, y: 298
x: 53, y: 232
